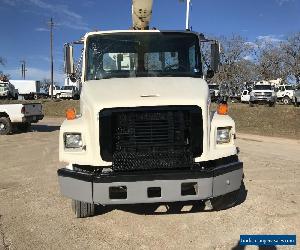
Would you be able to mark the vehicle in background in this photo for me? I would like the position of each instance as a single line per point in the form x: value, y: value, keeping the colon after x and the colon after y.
x: 285, y: 94
x: 29, y: 89
x: 234, y: 98
x: 8, y: 91
x: 262, y: 93
x: 69, y: 92
x: 65, y: 92
x: 245, y: 97
x: 214, y: 91
x: 19, y: 116
x: 56, y: 91
x: 296, y: 98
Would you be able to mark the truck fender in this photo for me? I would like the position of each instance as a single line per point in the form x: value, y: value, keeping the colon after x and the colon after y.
x: 3, y: 114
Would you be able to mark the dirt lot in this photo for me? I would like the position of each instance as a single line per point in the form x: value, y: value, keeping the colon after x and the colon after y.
x: 33, y: 215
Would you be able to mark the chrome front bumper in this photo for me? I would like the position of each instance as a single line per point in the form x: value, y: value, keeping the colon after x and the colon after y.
x: 262, y: 98
x: 151, y: 187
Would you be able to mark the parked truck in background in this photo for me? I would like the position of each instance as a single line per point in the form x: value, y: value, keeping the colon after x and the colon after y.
x: 146, y: 134
x: 285, y: 94
x: 7, y: 90
x: 245, y: 97
x: 29, y: 89
x: 262, y: 93
x: 19, y: 116
x: 65, y: 92
x: 296, y: 98
x: 214, y: 91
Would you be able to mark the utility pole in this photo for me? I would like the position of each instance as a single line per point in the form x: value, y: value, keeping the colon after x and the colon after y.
x: 187, y: 17
x: 187, y: 21
x: 51, y: 24
x: 23, y: 69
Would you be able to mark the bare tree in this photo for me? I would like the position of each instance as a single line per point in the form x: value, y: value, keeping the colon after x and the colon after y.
x: 235, y: 69
x: 45, y: 84
x: 270, y: 61
x: 290, y: 51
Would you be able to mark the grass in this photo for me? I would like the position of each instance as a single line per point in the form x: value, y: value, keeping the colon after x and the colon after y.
x: 281, y: 121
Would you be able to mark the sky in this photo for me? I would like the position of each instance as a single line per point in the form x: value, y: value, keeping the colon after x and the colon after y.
x: 25, y: 32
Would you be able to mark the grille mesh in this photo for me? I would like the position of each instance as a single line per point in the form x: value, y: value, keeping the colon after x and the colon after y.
x: 151, y: 140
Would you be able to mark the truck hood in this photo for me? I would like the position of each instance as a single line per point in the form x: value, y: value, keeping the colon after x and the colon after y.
x: 144, y: 91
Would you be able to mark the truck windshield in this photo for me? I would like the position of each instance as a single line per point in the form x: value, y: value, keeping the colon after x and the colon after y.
x: 262, y: 87
x: 143, y: 55
x: 289, y: 87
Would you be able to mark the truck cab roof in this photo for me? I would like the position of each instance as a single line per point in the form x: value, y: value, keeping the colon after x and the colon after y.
x: 139, y: 31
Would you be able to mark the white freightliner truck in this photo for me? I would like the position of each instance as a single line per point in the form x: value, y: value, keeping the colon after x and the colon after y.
x: 145, y: 133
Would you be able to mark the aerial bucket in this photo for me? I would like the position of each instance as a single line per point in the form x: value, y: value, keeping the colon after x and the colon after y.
x: 141, y: 14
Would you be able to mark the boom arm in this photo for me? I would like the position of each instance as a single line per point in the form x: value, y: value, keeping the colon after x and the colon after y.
x: 141, y: 14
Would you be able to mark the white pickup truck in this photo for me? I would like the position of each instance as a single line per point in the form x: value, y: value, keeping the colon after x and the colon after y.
x: 65, y: 92
x: 19, y: 116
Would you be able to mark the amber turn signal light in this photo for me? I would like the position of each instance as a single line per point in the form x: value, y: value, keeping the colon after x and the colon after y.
x: 71, y: 114
x: 222, y: 109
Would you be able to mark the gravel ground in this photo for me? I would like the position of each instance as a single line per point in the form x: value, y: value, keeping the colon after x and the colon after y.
x: 33, y: 215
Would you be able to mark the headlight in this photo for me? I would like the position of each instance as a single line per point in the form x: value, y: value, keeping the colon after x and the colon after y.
x: 223, y: 135
x: 73, y: 140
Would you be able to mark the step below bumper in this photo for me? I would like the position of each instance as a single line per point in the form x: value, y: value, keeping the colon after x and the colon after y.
x: 150, y: 187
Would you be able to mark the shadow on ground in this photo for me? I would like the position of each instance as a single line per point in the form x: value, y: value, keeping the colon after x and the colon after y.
x: 44, y: 128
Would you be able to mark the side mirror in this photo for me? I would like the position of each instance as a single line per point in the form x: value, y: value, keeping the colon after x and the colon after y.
x: 210, y: 73
x: 69, y: 61
x: 215, y: 56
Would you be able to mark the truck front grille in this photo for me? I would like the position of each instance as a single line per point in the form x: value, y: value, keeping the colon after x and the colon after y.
x: 151, y: 138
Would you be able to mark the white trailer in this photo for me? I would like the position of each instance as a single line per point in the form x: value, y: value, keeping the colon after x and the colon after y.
x: 29, y: 89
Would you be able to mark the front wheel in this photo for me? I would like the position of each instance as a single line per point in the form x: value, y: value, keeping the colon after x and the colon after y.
x: 83, y: 209
x: 286, y: 100
x: 5, y: 126
x: 296, y: 103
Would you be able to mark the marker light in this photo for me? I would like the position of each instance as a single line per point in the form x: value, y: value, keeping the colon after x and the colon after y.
x: 222, y: 109
x: 71, y: 114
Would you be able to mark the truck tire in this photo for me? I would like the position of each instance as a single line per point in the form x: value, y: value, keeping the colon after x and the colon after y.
x: 286, y: 100
x: 228, y: 200
x: 83, y: 209
x: 296, y: 103
x: 5, y: 126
